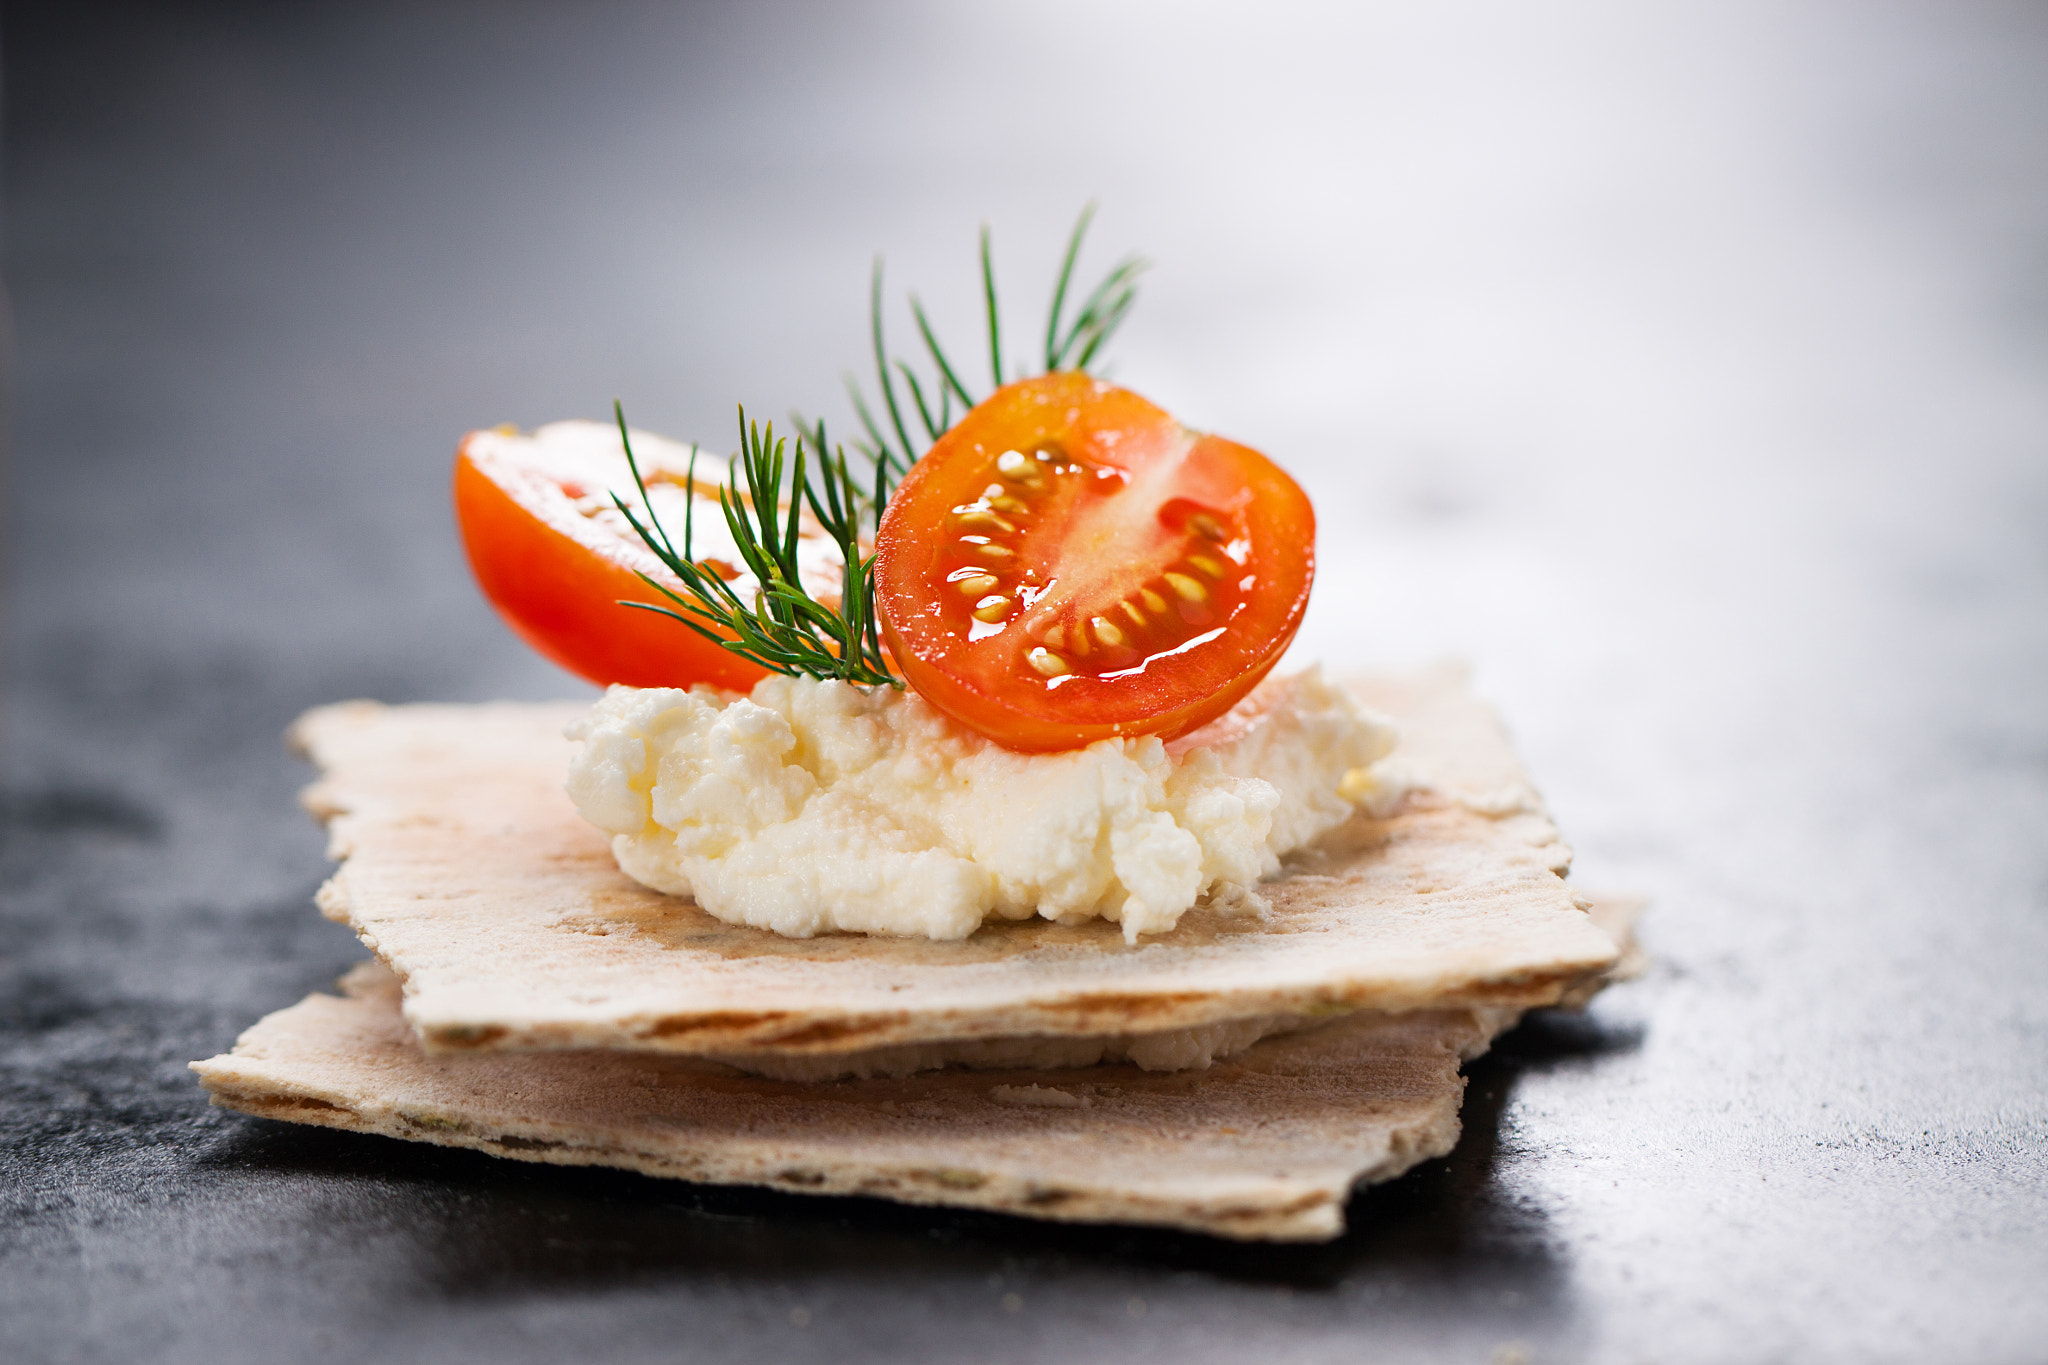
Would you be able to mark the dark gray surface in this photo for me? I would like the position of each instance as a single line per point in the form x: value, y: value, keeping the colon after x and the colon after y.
x: 1681, y: 368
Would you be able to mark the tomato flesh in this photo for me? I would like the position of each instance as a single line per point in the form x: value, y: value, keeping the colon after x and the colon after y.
x: 1069, y: 563
x: 556, y: 558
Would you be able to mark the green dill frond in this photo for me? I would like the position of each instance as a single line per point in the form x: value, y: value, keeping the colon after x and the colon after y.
x: 1073, y: 346
x: 783, y: 628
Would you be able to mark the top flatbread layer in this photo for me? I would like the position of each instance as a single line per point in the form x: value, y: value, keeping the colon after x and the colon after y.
x: 465, y: 868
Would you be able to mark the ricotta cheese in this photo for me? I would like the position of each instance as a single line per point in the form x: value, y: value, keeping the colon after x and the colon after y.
x: 813, y: 806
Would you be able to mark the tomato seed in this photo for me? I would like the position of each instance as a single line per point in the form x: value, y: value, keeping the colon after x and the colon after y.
x: 1048, y: 663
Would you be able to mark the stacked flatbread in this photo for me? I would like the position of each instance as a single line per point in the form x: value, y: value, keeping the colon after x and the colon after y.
x: 531, y: 1001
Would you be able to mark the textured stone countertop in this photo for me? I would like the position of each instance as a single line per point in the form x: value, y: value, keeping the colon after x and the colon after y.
x: 1683, y: 369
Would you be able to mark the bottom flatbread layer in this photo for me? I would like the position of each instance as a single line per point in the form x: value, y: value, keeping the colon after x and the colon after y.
x: 1266, y: 1145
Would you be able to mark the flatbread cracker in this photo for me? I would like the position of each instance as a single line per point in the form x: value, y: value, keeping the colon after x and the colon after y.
x: 1265, y: 1146
x: 468, y: 872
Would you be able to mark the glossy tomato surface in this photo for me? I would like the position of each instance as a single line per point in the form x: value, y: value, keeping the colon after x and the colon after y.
x: 1070, y: 563
x: 556, y: 559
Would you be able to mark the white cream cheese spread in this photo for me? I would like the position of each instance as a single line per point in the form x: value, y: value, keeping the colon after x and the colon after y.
x: 813, y: 806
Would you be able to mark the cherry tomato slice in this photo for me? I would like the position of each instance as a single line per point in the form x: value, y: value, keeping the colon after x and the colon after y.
x: 556, y: 559
x: 1070, y: 563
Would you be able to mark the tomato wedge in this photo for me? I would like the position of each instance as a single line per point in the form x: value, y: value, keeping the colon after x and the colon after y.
x: 556, y: 559
x: 1070, y: 563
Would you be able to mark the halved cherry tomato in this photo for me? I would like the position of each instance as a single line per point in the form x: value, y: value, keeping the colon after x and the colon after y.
x: 1070, y: 563
x: 556, y: 558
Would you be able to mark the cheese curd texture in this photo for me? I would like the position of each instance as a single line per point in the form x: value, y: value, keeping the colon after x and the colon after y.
x: 812, y: 806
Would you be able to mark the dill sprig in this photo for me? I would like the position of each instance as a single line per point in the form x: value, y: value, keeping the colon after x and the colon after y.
x: 1073, y: 346
x: 785, y: 629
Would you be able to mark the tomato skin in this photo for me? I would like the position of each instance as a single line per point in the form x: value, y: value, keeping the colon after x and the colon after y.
x: 562, y: 596
x: 1115, y: 444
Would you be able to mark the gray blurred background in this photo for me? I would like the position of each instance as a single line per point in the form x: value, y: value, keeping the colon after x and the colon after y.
x: 1682, y: 367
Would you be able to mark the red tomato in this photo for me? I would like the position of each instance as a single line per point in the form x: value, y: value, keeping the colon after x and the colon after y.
x: 556, y: 559
x: 1070, y: 563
